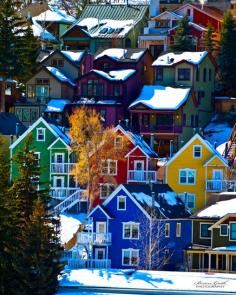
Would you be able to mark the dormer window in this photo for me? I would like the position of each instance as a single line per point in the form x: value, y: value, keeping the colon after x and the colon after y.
x: 57, y: 62
x: 197, y: 151
x: 184, y: 74
x: 40, y: 134
x: 121, y: 203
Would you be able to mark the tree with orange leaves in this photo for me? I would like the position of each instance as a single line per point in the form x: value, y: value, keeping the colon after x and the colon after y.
x: 94, y: 147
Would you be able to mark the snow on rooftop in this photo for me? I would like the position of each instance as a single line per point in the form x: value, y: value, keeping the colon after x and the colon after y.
x: 116, y: 75
x: 57, y: 73
x: 145, y: 199
x: 73, y: 56
x: 137, y: 55
x: 227, y: 248
x: 56, y: 105
x: 220, y: 149
x: 55, y: 15
x: 143, y: 279
x: 69, y: 225
x: 171, y: 58
x: 159, y: 97
x: 170, y: 197
x: 219, y: 209
x: 89, y: 23
x: 41, y: 33
x: 115, y: 53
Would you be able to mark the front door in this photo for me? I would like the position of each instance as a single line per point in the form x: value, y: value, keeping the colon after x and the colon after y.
x: 139, y: 170
x: 217, y: 180
x: 59, y: 159
x: 100, y: 253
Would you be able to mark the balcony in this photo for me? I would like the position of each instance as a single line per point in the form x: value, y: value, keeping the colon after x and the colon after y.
x: 62, y: 168
x: 141, y: 176
x: 94, y: 238
x: 61, y: 193
x: 213, y: 185
x: 89, y: 263
x: 160, y: 129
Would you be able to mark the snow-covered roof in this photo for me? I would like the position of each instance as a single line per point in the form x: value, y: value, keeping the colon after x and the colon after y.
x: 221, y: 148
x: 121, y: 53
x: 115, y: 75
x: 61, y: 132
x: 55, y: 15
x: 41, y: 33
x: 59, y: 75
x: 219, y: 209
x: 171, y: 58
x: 226, y: 248
x: 159, y: 97
x: 56, y: 105
x: 75, y: 57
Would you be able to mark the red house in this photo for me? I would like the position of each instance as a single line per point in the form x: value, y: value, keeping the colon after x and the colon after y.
x: 138, y: 166
x: 11, y: 93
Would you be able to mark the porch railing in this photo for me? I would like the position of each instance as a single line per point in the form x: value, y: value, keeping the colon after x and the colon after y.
x: 89, y: 263
x: 94, y: 238
x: 213, y: 185
x: 62, y: 192
x: 141, y: 176
x: 63, y: 167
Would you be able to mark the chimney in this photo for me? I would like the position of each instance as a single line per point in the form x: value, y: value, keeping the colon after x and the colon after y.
x: 171, y: 148
x: 17, y: 130
x: 152, y: 141
x: 154, y: 8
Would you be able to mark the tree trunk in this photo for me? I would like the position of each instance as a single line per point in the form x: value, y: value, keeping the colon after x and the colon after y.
x: 3, y: 84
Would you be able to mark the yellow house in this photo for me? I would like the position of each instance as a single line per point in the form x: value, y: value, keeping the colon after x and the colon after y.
x: 197, y: 171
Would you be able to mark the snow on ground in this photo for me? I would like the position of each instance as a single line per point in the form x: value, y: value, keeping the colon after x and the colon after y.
x: 149, y: 280
x: 219, y: 209
x: 159, y: 97
x: 69, y: 225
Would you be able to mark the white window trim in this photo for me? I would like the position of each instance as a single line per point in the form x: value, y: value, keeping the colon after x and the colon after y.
x: 229, y: 231
x: 101, y: 222
x: 185, y: 200
x: 44, y: 134
x: 59, y: 154
x: 118, y: 197
x: 108, y: 167
x: 55, y: 181
x: 130, y: 250
x: 197, y: 145
x: 99, y: 249
x: 116, y: 142
x: 168, y: 226
x: 123, y: 230
x: 178, y: 229
x: 38, y: 157
x: 221, y: 235
x: 200, y: 232
x: 186, y: 170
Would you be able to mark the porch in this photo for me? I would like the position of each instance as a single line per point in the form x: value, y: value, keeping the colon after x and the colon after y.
x: 62, y: 193
x: 61, y: 168
x: 94, y: 238
x: 141, y: 176
x: 89, y: 263
x: 215, y: 185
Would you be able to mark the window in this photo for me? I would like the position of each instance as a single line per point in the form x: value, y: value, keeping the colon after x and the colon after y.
x: 116, y: 90
x: 106, y: 66
x: 8, y: 90
x: 210, y: 73
x: 37, y: 157
x: 105, y: 190
x: 187, y: 176
x: 233, y: 231
x: 188, y: 12
x: 166, y: 256
x: 42, y: 91
x: 92, y: 88
x: 109, y: 167
x: 30, y: 91
x: 159, y: 74
x: 188, y: 199
x: 200, y: 95
x: 40, y: 134
x: 184, y: 74
x: 197, y: 74
x: 178, y: 229
x: 224, y: 229
x: 167, y: 230
x: 130, y: 257
x: 131, y: 230
x: 119, y: 142
x: 192, y: 121
x: 205, y: 233
x: 57, y: 62
x: 121, y: 203
x: 197, y: 151
x: 196, y: 120
x: 204, y: 75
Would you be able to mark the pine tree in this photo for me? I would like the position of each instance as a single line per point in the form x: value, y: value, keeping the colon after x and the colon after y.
x: 182, y: 39
x: 227, y: 56
x: 13, y: 46
x: 209, y: 39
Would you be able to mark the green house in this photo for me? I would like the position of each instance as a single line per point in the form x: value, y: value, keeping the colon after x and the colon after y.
x: 51, y: 145
x: 106, y: 26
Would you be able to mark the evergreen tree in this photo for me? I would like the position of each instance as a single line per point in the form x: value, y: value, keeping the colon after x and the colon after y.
x: 13, y: 47
x: 209, y: 39
x: 227, y: 56
x: 182, y: 39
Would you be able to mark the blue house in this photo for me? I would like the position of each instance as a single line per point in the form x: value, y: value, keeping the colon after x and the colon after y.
x: 138, y: 226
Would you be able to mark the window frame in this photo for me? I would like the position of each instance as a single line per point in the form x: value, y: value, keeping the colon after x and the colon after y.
x: 108, y: 164
x: 227, y: 227
x: 183, y: 196
x: 108, y: 188
x: 131, y: 224
x: 118, y: 199
x: 230, y: 225
x: 167, y: 230
x: 187, y: 170
x: 200, y: 231
x: 44, y: 134
x: 178, y: 229
x: 130, y: 256
x: 197, y: 146
x: 184, y: 70
x: 160, y: 74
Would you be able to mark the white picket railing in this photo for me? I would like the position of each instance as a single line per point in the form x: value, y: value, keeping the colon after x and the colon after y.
x: 62, y: 193
x: 70, y: 201
x: 61, y: 168
x: 89, y: 263
x: 94, y: 238
x: 214, y: 185
x: 141, y: 176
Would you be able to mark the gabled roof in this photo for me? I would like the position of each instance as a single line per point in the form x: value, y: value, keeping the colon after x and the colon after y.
x: 54, y: 15
x: 167, y: 12
x: 55, y: 141
x: 118, y: 75
x: 100, y: 207
x: 204, y: 142
x: 223, y: 160
x: 56, y: 131
x: 158, y: 97
x: 137, y: 140
x: 59, y: 75
x: 171, y: 59
x: 121, y: 54
x: 220, y: 221
x: 41, y: 33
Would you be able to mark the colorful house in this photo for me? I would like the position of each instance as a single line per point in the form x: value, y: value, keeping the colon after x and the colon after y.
x: 214, y: 238
x: 137, y: 226
x: 51, y: 145
x: 11, y: 93
x: 197, y: 171
x: 106, y: 26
